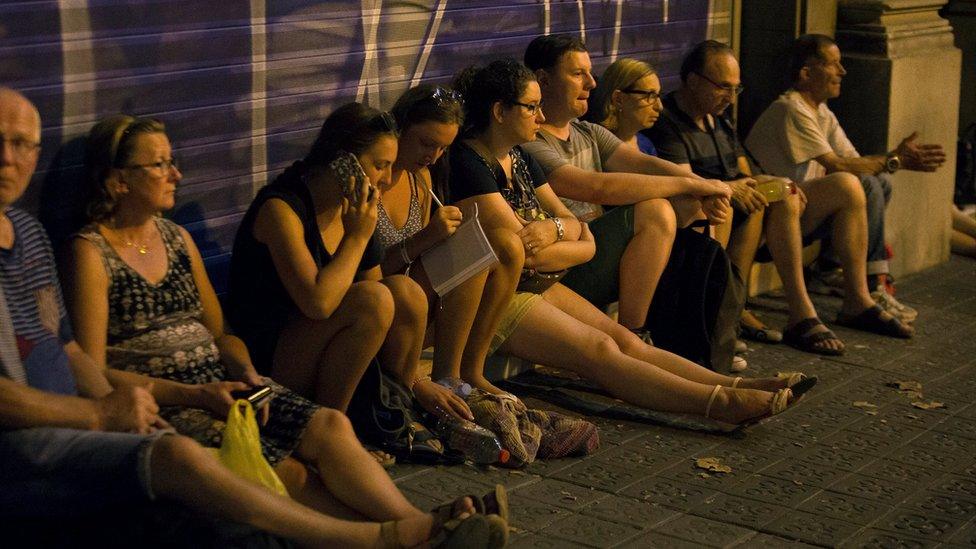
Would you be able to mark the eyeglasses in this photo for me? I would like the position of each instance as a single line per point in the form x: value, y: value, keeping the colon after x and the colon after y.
x: 20, y: 145
x: 442, y: 96
x: 529, y: 108
x: 647, y: 96
x: 727, y: 88
x: 161, y: 168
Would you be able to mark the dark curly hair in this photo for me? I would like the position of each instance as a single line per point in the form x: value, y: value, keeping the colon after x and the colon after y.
x: 111, y: 143
x: 502, y: 81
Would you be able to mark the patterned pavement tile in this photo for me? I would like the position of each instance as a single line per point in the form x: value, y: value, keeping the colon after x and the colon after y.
x: 941, y: 441
x: 678, y: 443
x: 804, y: 472
x: 626, y: 510
x: 749, y: 513
x: 955, y: 484
x: 917, y: 524
x: 560, y: 493
x: 531, y: 515
x: 889, y: 492
x: 687, y: 472
x: 544, y: 467
x: 441, y: 483
x: 608, y: 475
x: 539, y: 541
x: 671, y: 493
x: 928, y: 458
x: 614, y: 431
x: 658, y: 540
x: 946, y: 505
x: 881, y: 427
x: 879, y: 539
x: 965, y: 536
x: 638, y: 454
x: 510, y: 478
x: 861, y: 443
x: 704, y: 531
x: 835, y: 457
x: 887, y: 469
x: 810, y: 528
x: 772, y: 490
x: 844, y: 507
x: 591, y: 531
x: 767, y: 541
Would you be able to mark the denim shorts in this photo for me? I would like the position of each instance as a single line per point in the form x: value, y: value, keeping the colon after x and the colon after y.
x: 62, y: 472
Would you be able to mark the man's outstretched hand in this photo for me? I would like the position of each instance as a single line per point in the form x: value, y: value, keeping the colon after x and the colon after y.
x: 920, y: 157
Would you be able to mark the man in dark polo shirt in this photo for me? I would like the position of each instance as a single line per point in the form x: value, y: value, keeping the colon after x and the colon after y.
x: 694, y: 131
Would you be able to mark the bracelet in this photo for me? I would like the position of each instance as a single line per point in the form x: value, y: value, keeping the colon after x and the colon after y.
x: 418, y: 380
x: 560, y: 230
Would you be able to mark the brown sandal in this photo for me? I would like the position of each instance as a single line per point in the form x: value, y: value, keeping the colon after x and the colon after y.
x: 801, y: 336
x: 473, y: 532
x: 781, y: 401
x: 872, y: 320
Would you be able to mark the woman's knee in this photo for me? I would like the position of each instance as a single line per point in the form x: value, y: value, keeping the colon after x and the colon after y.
x: 329, y: 424
x: 408, y: 297
x: 372, y: 302
x: 598, y: 346
x: 656, y: 214
x: 180, y: 453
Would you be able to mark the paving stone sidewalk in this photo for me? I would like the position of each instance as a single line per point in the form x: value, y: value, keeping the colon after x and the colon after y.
x: 882, y: 473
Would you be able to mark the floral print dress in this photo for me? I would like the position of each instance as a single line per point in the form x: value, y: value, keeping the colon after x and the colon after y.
x: 157, y: 330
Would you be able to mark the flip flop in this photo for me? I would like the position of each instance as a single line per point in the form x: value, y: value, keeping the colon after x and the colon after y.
x: 870, y: 320
x: 800, y: 336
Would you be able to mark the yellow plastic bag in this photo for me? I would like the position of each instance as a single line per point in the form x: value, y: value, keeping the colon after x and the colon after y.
x: 241, y: 449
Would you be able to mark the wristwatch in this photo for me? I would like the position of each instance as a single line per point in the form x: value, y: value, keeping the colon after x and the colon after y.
x: 560, y: 230
x: 892, y: 162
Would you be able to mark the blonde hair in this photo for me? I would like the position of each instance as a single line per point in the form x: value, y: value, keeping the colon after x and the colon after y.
x: 620, y: 75
x: 111, y: 144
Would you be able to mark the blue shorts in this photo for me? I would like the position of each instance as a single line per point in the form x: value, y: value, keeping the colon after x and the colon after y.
x: 58, y: 472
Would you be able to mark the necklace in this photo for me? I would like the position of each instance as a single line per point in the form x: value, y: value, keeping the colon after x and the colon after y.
x: 141, y: 248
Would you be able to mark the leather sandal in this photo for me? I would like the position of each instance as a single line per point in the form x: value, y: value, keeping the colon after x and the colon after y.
x: 870, y: 320
x: 764, y: 334
x: 801, y: 336
x: 780, y: 402
x: 493, y: 503
x: 473, y: 532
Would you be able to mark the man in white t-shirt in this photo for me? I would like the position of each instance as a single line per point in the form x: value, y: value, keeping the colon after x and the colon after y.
x: 799, y: 137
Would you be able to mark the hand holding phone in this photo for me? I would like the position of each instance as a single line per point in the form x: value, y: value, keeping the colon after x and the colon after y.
x: 350, y: 174
x: 257, y: 396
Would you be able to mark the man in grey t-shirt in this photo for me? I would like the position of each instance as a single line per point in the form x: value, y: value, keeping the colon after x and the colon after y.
x: 587, y: 168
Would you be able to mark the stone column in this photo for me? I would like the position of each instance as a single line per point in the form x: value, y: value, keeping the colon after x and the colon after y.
x: 902, y: 76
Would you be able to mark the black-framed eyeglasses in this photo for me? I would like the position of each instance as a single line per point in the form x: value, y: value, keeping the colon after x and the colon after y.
x: 384, y: 121
x: 20, y: 145
x: 727, y: 88
x: 161, y: 167
x: 529, y: 107
x: 444, y: 95
x: 647, y: 96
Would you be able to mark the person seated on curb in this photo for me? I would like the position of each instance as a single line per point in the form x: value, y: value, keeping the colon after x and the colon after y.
x: 71, y: 440
x: 963, y: 233
x: 465, y: 319
x: 554, y: 326
x: 626, y: 100
x: 694, y: 131
x: 799, y: 137
x: 306, y: 291
x: 588, y: 169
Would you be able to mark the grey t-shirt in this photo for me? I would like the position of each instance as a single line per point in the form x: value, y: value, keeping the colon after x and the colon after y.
x: 588, y: 148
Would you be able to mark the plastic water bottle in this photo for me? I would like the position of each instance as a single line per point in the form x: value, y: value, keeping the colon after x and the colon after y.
x: 476, y: 443
x: 457, y: 385
x: 775, y: 188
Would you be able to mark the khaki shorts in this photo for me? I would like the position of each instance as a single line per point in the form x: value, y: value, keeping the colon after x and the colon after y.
x: 517, y: 308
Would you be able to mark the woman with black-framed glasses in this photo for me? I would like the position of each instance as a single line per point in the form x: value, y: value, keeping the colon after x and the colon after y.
x: 626, y: 100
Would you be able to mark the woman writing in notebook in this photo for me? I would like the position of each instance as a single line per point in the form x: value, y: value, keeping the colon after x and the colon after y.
x: 464, y: 320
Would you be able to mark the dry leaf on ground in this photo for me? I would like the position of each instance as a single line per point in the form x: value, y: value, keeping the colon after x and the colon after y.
x: 712, y: 464
x: 863, y: 404
x: 930, y: 405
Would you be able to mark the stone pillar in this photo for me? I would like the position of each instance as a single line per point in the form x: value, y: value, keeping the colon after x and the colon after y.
x: 962, y: 16
x: 902, y: 76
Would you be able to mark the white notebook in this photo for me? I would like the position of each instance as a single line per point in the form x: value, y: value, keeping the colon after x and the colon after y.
x: 459, y: 257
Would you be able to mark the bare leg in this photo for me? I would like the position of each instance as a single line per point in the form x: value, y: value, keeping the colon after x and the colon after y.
x: 498, y: 292
x: 963, y: 223
x: 644, y: 259
x: 400, y: 353
x: 963, y: 239
x: 325, y: 359
x: 548, y: 335
x: 840, y: 197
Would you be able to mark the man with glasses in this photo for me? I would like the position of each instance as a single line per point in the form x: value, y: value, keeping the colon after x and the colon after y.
x: 799, y: 137
x: 588, y: 169
x: 694, y: 131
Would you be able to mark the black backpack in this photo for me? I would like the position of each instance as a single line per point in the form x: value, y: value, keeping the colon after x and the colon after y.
x: 966, y: 167
x: 701, y: 283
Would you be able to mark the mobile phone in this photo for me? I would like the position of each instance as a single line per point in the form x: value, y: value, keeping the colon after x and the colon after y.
x: 346, y: 167
x: 257, y: 396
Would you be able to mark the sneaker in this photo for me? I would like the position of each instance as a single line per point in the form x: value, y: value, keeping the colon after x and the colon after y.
x: 830, y: 282
x: 895, y: 308
x: 740, y: 346
x: 738, y: 364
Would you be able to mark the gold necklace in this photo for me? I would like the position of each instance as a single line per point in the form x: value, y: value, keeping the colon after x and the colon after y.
x: 141, y: 248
